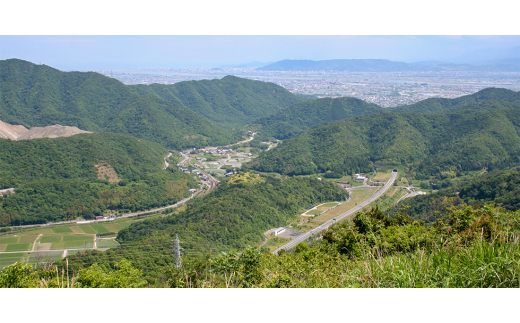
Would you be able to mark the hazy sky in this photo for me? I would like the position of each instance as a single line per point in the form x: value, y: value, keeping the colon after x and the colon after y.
x: 239, y: 32
x: 112, y: 52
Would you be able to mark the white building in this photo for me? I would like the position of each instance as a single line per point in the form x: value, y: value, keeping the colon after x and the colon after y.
x: 278, y: 231
x: 359, y: 178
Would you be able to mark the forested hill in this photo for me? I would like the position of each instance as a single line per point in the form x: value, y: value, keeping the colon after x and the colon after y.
x: 38, y: 95
x: 64, y: 178
x: 499, y: 187
x: 428, y: 143
x: 235, y: 215
x: 232, y: 102
x: 486, y: 99
x: 293, y: 120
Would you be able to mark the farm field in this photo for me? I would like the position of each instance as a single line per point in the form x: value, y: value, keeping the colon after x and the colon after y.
x: 107, y: 243
x: 52, y: 241
x: 10, y: 258
x: 62, y: 230
x: 38, y: 257
x: 49, y: 243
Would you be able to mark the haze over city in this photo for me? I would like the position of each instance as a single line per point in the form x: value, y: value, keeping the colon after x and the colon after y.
x: 176, y: 51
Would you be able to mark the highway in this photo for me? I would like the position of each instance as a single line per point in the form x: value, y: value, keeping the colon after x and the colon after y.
x: 327, y: 224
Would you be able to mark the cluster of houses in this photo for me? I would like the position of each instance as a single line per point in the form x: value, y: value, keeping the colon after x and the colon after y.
x: 194, y: 171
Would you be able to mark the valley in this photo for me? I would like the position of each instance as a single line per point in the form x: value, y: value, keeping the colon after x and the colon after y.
x: 262, y: 187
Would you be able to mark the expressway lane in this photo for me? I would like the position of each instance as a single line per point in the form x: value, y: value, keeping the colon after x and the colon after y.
x: 327, y: 224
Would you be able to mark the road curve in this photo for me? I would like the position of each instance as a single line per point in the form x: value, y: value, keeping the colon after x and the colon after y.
x: 327, y: 224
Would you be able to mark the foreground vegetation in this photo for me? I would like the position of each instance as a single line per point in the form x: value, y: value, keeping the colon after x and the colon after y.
x: 500, y: 187
x: 466, y: 248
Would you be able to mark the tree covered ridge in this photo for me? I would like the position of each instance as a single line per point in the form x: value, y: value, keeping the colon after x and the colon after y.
x: 428, y: 144
x: 38, y: 95
x: 486, y: 99
x: 293, y: 120
x: 239, y: 211
x: 499, y: 187
x: 232, y: 102
x: 59, y: 180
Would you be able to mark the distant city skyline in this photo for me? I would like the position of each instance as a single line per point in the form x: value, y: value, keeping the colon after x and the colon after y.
x: 119, y: 52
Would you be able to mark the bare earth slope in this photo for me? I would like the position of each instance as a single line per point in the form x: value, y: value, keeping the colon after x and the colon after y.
x: 12, y: 132
x: 51, y: 132
x: 19, y: 132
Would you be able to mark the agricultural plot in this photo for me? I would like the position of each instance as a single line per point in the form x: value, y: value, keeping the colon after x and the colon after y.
x: 43, y: 246
x: 76, y: 229
x: 77, y: 237
x: 62, y: 230
x: 28, y: 239
x: 36, y: 258
x: 2, y: 247
x: 17, y: 247
x: 9, y: 240
x: 50, y: 239
x: 87, y: 229
x: 7, y: 259
x: 58, y: 246
x: 78, y: 241
x: 125, y: 224
x: 107, y: 243
x: 99, y: 228
x: 77, y: 244
x: 113, y: 227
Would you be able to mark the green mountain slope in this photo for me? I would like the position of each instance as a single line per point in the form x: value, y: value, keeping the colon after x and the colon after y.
x: 239, y: 211
x: 500, y: 187
x: 57, y: 179
x: 426, y: 143
x: 486, y: 99
x: 293, y: 120
x: 38, y: 95
x: 232, y: 102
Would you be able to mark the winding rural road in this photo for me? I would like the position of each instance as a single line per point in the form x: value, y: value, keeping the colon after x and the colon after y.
x: 327, y: 224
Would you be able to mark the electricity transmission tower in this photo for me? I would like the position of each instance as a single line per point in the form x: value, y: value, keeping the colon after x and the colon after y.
x: 178, y: 262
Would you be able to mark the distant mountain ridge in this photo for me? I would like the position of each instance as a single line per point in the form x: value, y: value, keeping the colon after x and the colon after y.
x: 384, y: 65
